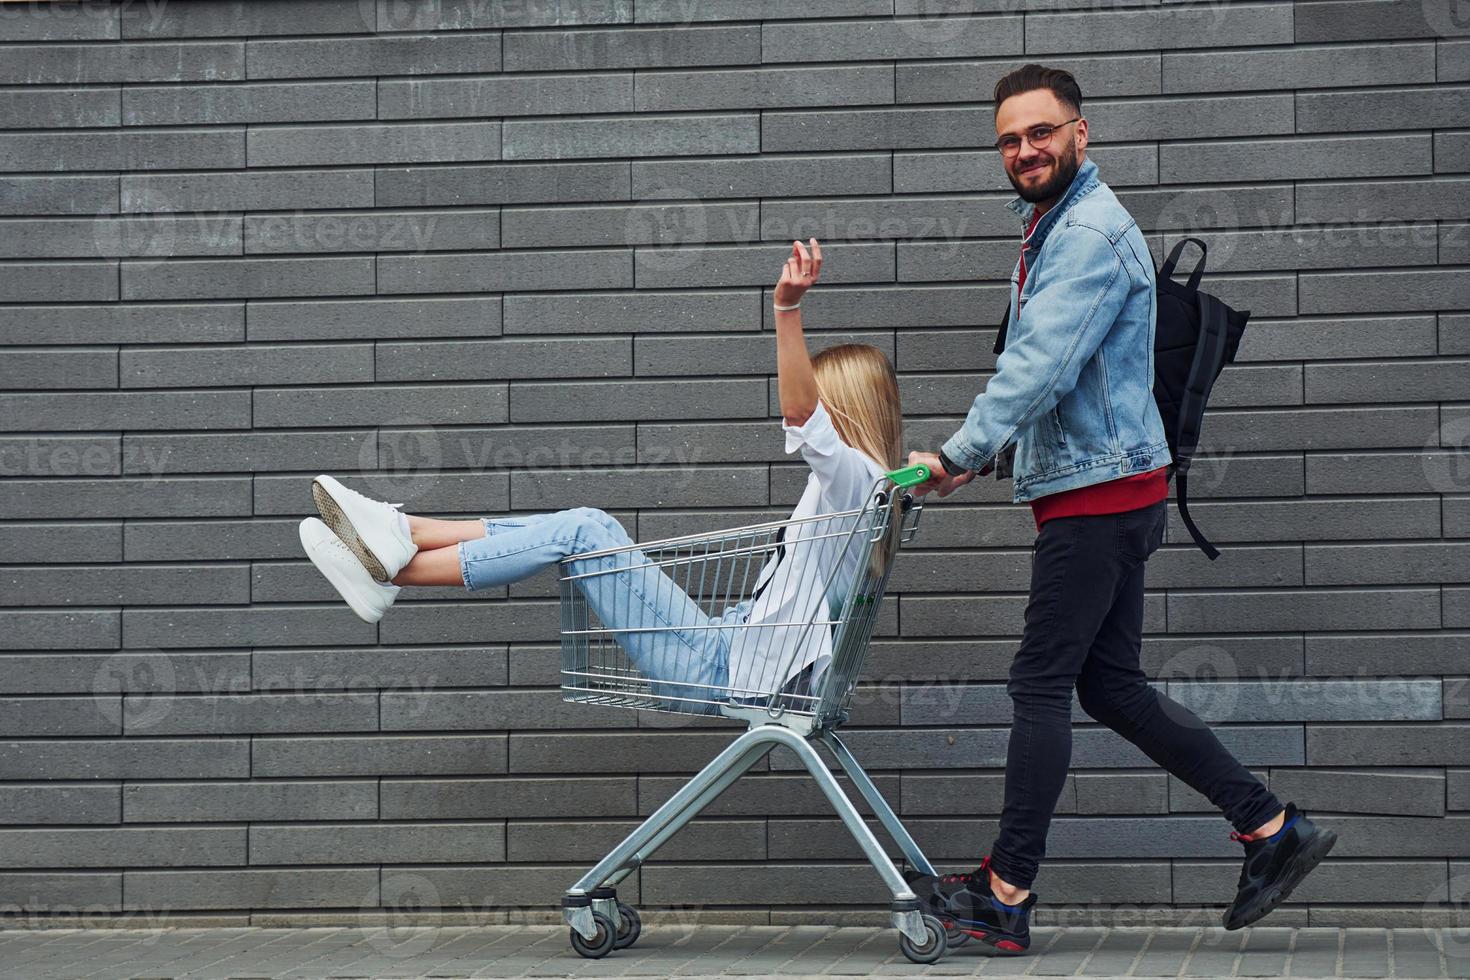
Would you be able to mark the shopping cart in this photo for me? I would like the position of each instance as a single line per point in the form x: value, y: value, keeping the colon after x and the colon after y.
x: 790, y: 681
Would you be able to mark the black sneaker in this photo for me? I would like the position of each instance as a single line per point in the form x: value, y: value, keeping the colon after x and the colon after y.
x: 964, y: 903
x: 1275, y: 865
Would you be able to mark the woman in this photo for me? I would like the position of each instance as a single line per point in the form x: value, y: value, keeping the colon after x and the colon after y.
x: 841, y: 410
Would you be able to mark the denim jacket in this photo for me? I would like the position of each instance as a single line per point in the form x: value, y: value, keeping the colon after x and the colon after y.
x: 1073, y: 387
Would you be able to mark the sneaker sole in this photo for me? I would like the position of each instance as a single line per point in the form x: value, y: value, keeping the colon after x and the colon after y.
x: 333, y: 517
x: 1301, y: 866
x: 1002, y: 944
x: 344, y: 587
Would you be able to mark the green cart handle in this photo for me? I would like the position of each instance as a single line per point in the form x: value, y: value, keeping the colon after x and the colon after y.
x: 910, y: 476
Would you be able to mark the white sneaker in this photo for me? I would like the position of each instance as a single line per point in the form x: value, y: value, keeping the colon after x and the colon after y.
x: 376, y: 532
x: 369, y: 599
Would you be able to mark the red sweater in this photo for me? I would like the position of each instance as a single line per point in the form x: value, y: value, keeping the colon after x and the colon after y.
x: 1108, y: 497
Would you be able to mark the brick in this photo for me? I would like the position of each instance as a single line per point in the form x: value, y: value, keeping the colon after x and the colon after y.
x: 632, y: 312
x: 1331, y: 201
x: 1408, y: 792
x: 255, y: 102
x: 1320, y: 339
x: 1305, y: 609
x: 252, y: 889
x: 469, y: 710
x: 1386, y: 745
x: 56, y: 717
x: 1406, y: 381
x: 1436, y: 106
x: 100, y: 585
x: 509, y: 183
x: 78, y: 367
x: 248, y: 277
x: 256, y: 452
x: 871, y: 129
x: 509, y: 797
x: 87, y: 64
x: 388, y: 755
x: 72, y: 194
x: 899, y: 38
x: 676, y: 11
x: 266, y: 714
x: 631, y: 136
x: 1317, y: 66
x: 839, y: 175
x: 654, y: 47
x: 132, y: 149
x: 73, y: 759
x: 409, y: 405
x: 1379, y: 20
x: 140, y: 497
x: 81, y: 22
x: 495, y: 888
x: 380, y: 231
x: 1393, y: 654
x: 366, y: 319
x: 59, y: 631
x: 957, y: 81
x: 504, y: 95
x: 1429, y: 471
x: 699, y: 840
x: 669, y: 226
x: 1361, y: 699
x: 126, y: 671
x: 37, y: 107
x: 72, y: 803
x: 221, y: 540
x: 241, y: 627
x: 348, y: 143
x: 459, y: 15
x: 122, y: 237
x: 240, y: 366
x: 469, y: 272
x: 449, y: 843
x: 258, y: 800
x: 637, y: 400
x: 122, y: 846
x: 240, y: 17
x: 1310, y: 520
x: 1362, y: 564
x: 247, y: 191
x: 28, y: 282
x: 1249, y: 24
x: 668, y: 91
x: 384, y: 54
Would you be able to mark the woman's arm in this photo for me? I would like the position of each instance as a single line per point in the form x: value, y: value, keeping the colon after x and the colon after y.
x: 795, y: 380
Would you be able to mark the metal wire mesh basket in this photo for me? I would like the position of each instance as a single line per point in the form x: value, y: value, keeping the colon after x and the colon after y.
x: 773, y: 616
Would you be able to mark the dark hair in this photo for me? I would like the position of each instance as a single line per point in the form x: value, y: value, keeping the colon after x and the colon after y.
x: 1030, y: 77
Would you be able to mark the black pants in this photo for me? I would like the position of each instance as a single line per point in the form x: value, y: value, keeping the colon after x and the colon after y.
x: 1084, y: 628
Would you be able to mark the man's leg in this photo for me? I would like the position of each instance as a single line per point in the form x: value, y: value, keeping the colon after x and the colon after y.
x: 1076, y: 573
x: 1113, y: 689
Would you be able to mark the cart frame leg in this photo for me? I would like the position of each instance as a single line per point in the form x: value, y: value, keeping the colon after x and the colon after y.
x: 881, y: 809
x: 737, y: 757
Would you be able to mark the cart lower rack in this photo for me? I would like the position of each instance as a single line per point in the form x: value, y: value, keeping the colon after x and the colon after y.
x: 768, y: 624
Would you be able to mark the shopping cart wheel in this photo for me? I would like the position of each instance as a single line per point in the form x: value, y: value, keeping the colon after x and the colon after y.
x: 955, y: 936
x: 932, y: 949
x: 631, y: 926
x: 599, y: 945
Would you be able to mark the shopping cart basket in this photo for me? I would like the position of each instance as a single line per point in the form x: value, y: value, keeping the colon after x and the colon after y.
x: 790, y: 693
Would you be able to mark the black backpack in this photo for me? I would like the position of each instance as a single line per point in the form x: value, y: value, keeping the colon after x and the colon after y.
x: 1195, y: 337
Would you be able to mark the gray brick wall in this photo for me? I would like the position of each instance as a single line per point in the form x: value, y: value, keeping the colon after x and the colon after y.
x: 490, y: 256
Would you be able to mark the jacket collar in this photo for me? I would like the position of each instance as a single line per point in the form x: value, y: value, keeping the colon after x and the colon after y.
x: 1083, y: 181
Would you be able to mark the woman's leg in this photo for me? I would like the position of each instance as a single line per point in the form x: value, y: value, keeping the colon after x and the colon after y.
x: 430, y: 533
x: 658, y: 624
x: 437, y: 561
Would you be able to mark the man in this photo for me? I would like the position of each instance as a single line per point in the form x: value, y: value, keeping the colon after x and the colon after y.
x: 1072, y: 390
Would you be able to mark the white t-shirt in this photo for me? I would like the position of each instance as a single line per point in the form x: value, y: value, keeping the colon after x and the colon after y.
x: 761, y: 660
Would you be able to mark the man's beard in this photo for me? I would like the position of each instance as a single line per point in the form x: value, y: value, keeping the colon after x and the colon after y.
x: 1061, y: 178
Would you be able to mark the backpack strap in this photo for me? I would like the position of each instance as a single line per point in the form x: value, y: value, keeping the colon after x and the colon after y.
x: 1000, y: 335
x: 1209, y: 359
x: 1167, y: 271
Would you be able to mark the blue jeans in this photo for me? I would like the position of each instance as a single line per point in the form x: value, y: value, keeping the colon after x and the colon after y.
x: 669, y: 647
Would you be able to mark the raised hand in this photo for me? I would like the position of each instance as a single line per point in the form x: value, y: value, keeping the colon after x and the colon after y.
x: 799, y: 273
x: 939, y: 481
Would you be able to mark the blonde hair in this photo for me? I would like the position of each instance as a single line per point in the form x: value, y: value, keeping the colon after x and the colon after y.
x: 859, y: 387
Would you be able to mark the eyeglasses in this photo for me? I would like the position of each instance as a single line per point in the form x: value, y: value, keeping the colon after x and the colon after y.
x: 1038, y: 136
